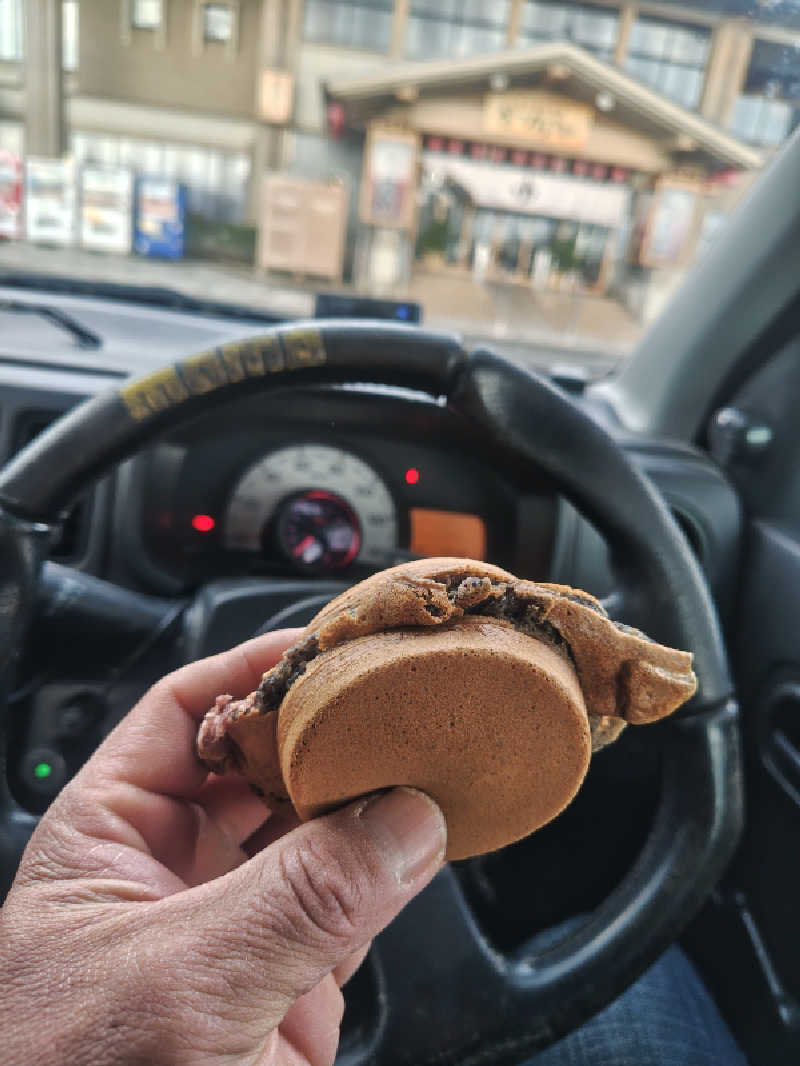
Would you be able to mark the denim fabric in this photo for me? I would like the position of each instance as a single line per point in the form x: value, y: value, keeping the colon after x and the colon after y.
x: 666, y: 1019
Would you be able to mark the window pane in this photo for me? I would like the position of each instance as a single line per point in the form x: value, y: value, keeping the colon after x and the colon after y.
x: 557, y: 21
x: 79, y: 146
x: 675, y: 45
x: 351, y: 23
x: 458, y: 27
x: 670, y: 80
x: 694, y: 88
x: 584, y: 26
x: 217, y: 22
x: 69, y: 32
x: 415, y: 39
x: 470, y: 12
x: 146, y: 14
x: 11, y: 30
x: 127, y: 152
x: 699, y: 48
x: 646, y: 70
x: 774, y: 70
x: 605, y: 31
x: 594, y: 29
x: 744, y: 118
x: 152, y: 156
x: 778, y: 119
x: 670, y: 58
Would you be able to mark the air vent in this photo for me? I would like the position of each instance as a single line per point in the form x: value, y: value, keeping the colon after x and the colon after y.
x: 70, y: 543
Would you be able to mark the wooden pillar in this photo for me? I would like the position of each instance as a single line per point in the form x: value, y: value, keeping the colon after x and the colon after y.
x: 400, y: 28
x: 514, y: 23
x: 737, y: 73
x: 726, y: 70
x: 627, y: 17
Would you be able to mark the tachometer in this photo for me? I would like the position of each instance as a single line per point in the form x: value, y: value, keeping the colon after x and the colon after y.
x: 321, y: 507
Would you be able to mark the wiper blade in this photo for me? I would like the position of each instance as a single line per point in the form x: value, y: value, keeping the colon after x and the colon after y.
x: 85, y: 337
x: 149, y: 295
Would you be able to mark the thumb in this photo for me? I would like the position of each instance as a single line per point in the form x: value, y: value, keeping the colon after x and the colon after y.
x: 269, y: 931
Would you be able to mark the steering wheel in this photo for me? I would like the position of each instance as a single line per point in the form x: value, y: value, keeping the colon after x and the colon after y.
x: 445, y: 995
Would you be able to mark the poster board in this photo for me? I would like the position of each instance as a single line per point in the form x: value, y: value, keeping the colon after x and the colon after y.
x: 389, y: 179
x: 671, y: 224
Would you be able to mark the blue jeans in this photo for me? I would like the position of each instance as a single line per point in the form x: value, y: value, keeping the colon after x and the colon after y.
x: 666, y: 1019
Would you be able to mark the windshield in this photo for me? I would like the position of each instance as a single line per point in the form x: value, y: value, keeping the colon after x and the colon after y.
x: 536, y: 174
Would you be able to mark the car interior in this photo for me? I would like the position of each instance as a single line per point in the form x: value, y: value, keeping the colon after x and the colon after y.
x: 179, y: 476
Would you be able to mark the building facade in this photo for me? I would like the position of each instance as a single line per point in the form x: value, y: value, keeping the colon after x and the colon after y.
x: 218, y: 94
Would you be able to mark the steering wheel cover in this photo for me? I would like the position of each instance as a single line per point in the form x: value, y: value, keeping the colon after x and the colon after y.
x: 700, y: 814
x: 47, y: 475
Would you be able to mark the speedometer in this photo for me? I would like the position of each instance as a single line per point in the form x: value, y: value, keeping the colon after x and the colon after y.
x: 322, y: 506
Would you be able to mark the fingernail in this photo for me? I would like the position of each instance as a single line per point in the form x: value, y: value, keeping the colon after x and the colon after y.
x: 409, y: 829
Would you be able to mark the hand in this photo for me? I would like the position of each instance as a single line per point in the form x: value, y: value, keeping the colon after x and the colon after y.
x: 161, y: 916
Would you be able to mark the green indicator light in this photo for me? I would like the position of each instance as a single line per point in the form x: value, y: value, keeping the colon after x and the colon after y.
x: 42, y: 770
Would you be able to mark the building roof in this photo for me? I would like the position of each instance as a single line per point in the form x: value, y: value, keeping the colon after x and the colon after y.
x: 582, y: 76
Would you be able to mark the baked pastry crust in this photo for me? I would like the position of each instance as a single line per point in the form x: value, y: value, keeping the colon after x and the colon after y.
x: 402, y: 679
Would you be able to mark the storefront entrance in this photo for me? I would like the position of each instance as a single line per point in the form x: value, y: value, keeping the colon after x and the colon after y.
x: 518, y: 225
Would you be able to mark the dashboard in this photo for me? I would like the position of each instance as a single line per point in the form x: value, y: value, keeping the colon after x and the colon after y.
x: 331, y: 482
x: 328, y: 483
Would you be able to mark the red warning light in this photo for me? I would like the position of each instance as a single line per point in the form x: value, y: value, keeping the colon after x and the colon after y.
x: 412, y: 475
x: 203, y: 523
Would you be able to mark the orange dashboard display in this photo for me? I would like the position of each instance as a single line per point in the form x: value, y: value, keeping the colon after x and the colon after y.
x: 447, y: 533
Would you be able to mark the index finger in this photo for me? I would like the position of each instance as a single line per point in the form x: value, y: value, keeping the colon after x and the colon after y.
x: 153, y: 747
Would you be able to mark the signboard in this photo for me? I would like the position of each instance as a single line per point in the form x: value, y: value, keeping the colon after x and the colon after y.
x: 50, y: 200
x: 670, y: 225
x: 276, y: 90
x: 106, y: 207
x: 303, y: 226
x: 389, y: 181
x: 542, y: 119
x: 547, y: 195
x: 160, y: 218
x: 10, y: 195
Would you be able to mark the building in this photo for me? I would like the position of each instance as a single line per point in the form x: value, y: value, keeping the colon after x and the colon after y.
x: 543, y: 166
x: 217, y: 94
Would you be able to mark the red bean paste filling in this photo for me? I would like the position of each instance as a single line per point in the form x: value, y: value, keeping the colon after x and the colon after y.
x: 474, y: 595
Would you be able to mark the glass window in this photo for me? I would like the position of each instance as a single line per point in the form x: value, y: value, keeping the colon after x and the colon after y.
x: 669, y: 57
x: 456, y: 27
x: 762, y: 121
x: 127, y: 152
x: 170, y: 161
x: 11, y: 137
x: 96, y: 149
x: 593, y: 28
x: 11, y: 30
x: 146, y: 14
x: 216, y: 182
x: 351, y: 23
x: 69, y: 33
x: 774, y: 70
x: 217, y: 22
x: 769, y: 108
